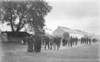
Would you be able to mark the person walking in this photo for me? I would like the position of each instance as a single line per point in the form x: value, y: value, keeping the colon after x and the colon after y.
x: 37, y: 43
x: 30, y: 41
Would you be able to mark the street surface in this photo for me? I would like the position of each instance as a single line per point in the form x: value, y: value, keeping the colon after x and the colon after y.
x: 11, y: 52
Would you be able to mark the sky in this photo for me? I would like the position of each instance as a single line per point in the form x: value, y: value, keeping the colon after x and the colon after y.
x: 75, y: 14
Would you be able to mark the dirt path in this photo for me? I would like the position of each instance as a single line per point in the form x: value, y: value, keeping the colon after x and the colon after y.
x: 82, y: 53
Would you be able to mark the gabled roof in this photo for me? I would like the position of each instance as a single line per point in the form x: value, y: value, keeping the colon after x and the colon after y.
x: 73, y: 32
x: 61, y: 30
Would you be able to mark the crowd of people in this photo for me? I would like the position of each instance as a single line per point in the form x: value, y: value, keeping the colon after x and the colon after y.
x: 74, y: 41
x: 35, y: 42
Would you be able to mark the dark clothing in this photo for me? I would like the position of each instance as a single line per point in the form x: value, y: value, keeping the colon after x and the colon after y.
x: 64, y: 41
x: 47, y: 40
x: 30, y: 41
x: 37, y: 44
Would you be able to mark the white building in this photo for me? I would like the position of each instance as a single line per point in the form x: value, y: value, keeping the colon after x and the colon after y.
x: 74, y: 33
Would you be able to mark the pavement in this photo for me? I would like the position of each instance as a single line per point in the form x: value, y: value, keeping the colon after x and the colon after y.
x: 12, y: 52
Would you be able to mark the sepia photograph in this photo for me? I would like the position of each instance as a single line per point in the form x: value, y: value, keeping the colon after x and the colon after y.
x: 49, y: 30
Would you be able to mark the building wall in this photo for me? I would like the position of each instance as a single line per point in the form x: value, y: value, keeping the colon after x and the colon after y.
x: 58, y: 32
x: 76, y: 35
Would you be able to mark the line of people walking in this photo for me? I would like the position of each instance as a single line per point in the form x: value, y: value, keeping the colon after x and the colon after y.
x: 35, y: 42
x: 74, y: 41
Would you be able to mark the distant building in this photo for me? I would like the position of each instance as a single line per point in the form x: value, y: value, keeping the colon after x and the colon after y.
x: 61, y: 30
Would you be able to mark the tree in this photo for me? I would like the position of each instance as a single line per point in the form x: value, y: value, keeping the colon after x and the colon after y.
x: 66, y: 35
x: 27, y: 12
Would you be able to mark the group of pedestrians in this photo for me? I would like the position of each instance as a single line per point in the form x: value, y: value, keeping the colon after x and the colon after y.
x: 70, y: 41
x: 33, y: 42
x: 86, y: 40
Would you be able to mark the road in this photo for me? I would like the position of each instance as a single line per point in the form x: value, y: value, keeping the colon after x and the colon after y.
x: 11, y: 52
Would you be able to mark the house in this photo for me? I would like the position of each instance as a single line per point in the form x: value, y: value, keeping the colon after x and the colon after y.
x: 72, y: 32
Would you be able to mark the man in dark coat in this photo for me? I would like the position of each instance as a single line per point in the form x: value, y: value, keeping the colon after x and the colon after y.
x: 64, y: 41
x: 30, y: 41
x: 37, y: 43
x: 46, y: 42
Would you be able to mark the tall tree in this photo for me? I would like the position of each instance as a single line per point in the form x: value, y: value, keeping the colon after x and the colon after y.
x: 30, y: 12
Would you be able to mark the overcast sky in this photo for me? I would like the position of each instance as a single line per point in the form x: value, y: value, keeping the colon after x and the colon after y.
x: 75, y: 14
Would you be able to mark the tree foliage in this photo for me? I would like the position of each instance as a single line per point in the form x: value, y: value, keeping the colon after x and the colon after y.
x: 30, y: 12
x: 66, y: 35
